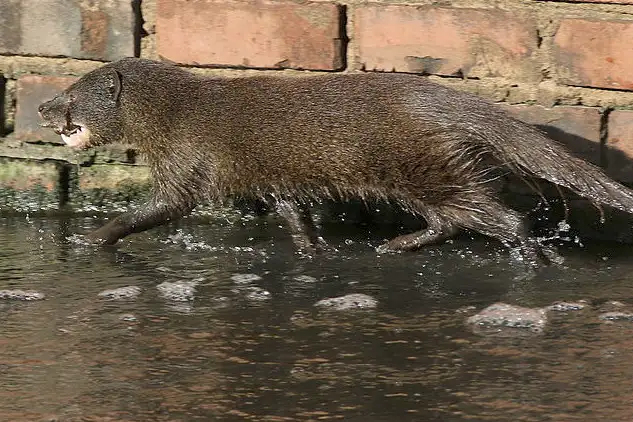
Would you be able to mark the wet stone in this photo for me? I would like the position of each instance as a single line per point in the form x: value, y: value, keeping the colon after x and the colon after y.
x: 122, y: 293
x: 179, y: 291
x: 503, y: 315
x: 567, y: 306
x: 348, y: 302
x: 27, y: 295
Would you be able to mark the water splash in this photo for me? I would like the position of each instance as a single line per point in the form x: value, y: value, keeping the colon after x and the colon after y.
x: 187, y: 240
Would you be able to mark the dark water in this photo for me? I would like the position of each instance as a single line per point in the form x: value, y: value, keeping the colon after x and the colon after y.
x: 229, y: 354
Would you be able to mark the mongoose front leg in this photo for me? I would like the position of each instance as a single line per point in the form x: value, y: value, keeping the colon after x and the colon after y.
x: 152, y: 214
x: 302, y: 228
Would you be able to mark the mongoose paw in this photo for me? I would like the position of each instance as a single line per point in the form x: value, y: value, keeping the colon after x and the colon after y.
x: 98, y: 237
x: 399, y: 244
x: 307, y: 247
x: 387, y: 248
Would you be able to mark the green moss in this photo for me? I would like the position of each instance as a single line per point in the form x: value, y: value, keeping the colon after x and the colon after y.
x: 108, y: 187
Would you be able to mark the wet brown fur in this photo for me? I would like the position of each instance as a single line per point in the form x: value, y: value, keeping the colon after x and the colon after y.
x: 428, y: 148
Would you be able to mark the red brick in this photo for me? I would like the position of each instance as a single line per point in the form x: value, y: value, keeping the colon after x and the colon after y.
x: 258, y: 33
x: 31, y: 92
x: 620, y: 145
x: 594, y: 53
x: 83, y: 29
x: 446, y: 41
x: 578, y: 128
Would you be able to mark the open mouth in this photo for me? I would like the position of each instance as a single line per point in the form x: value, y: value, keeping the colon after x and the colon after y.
x: 75, y: 135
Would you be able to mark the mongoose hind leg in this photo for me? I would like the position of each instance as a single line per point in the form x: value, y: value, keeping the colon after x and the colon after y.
x: 303, y: 230
x: 485, y: 214
x: 437, y: 230
x: 477, y: 211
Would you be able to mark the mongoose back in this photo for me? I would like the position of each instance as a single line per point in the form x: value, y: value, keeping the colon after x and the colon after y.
x: 428, y: 148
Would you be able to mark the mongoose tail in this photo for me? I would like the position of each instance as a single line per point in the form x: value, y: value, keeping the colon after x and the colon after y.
x: 537, y: 155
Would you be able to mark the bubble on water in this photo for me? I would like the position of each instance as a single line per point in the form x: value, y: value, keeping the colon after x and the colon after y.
x: 252, y: 293
x: 257, y: 294
x: 220, y: 302
x: 184, y: 308
x: 305, y: 279
x: 27, y: 295
x: 121, y: 293
x: 245, y: 278
x: 242, y: 249
x: 616, y: 316
x: 348, y: 302
x: 567, y: 306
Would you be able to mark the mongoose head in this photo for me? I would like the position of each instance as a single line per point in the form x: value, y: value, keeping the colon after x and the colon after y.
x: 87, y: 113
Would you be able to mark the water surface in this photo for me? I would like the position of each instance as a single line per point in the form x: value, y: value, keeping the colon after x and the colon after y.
x: 256, y: 348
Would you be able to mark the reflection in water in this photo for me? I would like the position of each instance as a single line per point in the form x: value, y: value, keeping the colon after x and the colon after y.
x: 222, y: 353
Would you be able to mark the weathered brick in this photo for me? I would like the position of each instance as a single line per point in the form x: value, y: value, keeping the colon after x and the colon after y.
x: 3, y: 105
x: 620, y: 145
x: 578, y: 128
x: 27, y: 185
x: 32, y: 90
x: 108, y: 187
x: 596, y: 1
x: 594, y: 53
x: 446, y: 41
x: 83, y: 29
x: 258, y: 33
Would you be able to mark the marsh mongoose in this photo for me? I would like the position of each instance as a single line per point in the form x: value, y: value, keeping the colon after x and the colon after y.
x: 428, y: 148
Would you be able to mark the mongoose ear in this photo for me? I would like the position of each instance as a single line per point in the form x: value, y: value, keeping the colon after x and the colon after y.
x: 115, y: 85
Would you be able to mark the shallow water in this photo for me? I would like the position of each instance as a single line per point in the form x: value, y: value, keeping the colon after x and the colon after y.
x: 249, y: 344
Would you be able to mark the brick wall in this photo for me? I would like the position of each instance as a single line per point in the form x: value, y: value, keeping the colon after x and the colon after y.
x: 565, y: 66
